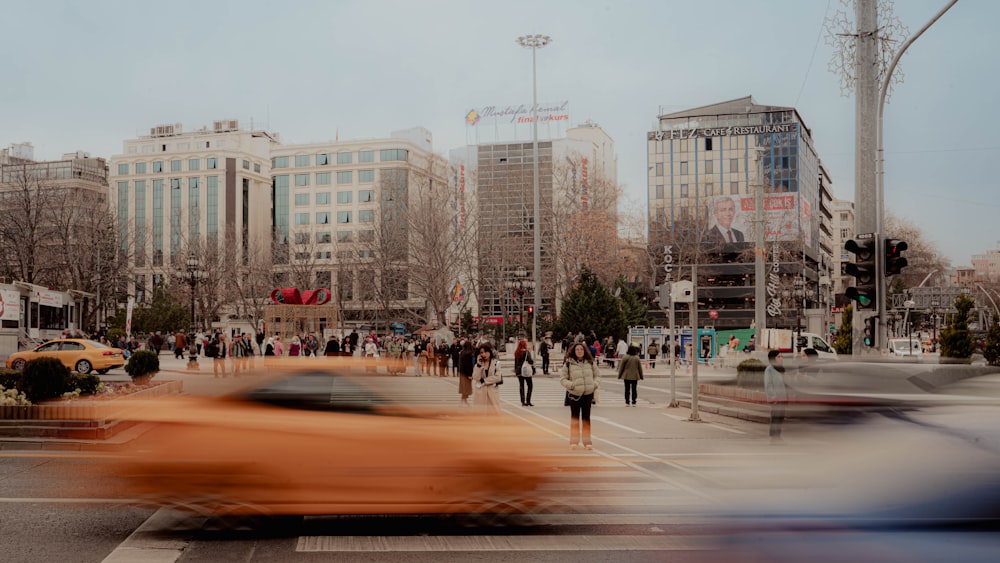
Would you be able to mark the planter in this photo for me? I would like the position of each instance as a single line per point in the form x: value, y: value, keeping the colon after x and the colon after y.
x: 85, y: 409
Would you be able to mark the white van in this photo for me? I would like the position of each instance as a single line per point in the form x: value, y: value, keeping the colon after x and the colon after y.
x: 816, y: 342
x: 905, y: 347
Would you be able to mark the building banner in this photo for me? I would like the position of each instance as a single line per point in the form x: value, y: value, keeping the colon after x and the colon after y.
x: 731, y: 218
x: 10, y: 305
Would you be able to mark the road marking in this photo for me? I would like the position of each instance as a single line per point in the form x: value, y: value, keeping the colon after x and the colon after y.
x: 318, y: 544
x: 144, y: 545
x: 615, y: 424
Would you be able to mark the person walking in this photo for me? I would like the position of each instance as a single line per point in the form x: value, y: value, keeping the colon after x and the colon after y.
x: 630, y: 371
x: 295, y: 347
x: 544, y: 349
x: 652, y: 352
x: 180, y: 344
x: 485, y: 376
x: 217, y: 349
x: 581, y: 380
x: 524, y: 367
x: 466, y: 365
x: 279, y: 346
x: 777, y: 394
x: 332, y: 347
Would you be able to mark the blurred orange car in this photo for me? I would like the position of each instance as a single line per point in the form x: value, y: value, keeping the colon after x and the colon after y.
x: 78, y: 354
x: 321, y: 442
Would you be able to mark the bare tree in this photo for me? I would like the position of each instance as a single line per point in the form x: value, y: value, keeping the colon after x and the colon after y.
x: 25, y: 224
x: 922, y: 256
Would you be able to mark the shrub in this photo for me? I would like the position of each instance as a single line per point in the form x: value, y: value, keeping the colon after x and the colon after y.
x: 113, y: 335
x: 750, y: 374
x: 10, y: 378
x: 142, y: 364
x: 44, y: 378
x: 12, y: 398
x: 87, y: 384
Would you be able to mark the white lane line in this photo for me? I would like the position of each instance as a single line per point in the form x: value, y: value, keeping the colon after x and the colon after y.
x: 616, y: 425
x: 318, y: 544
x: 143, y: 546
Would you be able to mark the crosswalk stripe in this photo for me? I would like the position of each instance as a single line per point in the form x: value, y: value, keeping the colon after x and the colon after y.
x: 319, y: 544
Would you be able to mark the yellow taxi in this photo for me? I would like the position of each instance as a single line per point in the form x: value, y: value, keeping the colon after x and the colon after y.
x: 78, y: 354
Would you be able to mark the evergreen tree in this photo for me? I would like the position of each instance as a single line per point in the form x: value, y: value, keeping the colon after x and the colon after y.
x: 992, y: 350
x: 635, y: 311
x: 591, y: 307
x: 843, y: 342
x: 956, y: 340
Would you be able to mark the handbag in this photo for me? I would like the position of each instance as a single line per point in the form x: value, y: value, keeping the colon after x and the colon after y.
x: 527, y: 370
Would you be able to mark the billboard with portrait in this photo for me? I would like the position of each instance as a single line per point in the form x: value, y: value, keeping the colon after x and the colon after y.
x: 787, y: 218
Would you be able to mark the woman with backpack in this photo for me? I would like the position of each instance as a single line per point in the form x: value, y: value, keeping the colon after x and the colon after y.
x: 524, y: 367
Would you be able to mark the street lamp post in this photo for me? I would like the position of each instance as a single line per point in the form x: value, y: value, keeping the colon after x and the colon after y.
x: 535, y: 42
x: 194, y: 273
x: 520, y: 286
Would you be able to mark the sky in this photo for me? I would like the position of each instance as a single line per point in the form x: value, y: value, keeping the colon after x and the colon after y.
x: 87, y: 75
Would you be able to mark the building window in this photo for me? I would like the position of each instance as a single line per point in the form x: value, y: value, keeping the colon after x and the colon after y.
x: 684, y: 167
x: 734, y: 188
x: 784, y: 162
x: 301, y: 199
x: 366, y: 216
x: 343, y: 217
x: 734, y: 165
x: 366, y: 196
x: 844, y: 217
x: 175, y: 166
x: 684, y: 190
x: 366, y: 156
x: 345, y: 236
x: 710, y: 189
x: 659, y: 191
x: 256, y: 167
x: 175, y: 183
x: 366, y: 176
x: 322, y: 159
x: 323, y: 198
x: 301, y: 179
x: 322, y: 178
x: 123, y: 169
x: 845, y: 234
x: 301, y: 218
x: 279, y: 162
x: 302, y: 160
x: 659, y: 169
x: 301, y: 238
x: 709, y: 167
x: 140, y: 167
x: 157, y: 166
x: 708, y: 143
x: 246, y: 165
x: 392, y: 154
x: 322, y: 255
x: 366, y: 235
x: 193, y: 183
x: 323, y: 218
x: 211, y: 163
x: 345, y: 177
x: 344, y: 158
x: 194, y: 164
x: 344, y: 197
x: 323, y: 238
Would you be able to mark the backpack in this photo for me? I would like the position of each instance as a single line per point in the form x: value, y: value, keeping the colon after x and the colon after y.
x: 212, y: 349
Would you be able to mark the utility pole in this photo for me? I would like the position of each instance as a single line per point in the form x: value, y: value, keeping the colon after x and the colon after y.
x: 760, y: 228
x: 865, y: 139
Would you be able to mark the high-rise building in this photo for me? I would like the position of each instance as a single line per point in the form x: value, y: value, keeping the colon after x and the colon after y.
x: 576, y: 173
x: 177, y: 193
x: 705, y: 165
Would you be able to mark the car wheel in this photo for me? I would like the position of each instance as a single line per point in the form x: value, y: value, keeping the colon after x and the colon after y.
x: 103, y: 371
x: 83, y: 367
x: 18, y: 364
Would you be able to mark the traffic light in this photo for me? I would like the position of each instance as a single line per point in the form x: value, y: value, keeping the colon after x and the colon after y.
x: 531, y: 311
x: 663, y: 295
x: 894, y: 261
x: 865, y: 290
x: 871, y: 325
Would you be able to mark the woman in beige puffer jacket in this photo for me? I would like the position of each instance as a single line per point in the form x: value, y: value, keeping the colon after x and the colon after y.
x: 580, y: 377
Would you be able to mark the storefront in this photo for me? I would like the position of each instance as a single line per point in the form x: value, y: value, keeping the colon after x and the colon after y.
x: 31, y: 314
